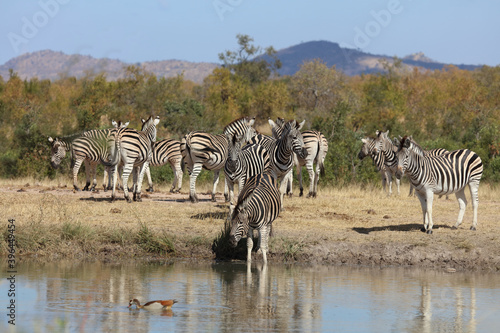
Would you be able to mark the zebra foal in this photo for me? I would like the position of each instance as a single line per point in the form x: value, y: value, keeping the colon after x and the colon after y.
x: 444, y: 174
x: 258, y: 206
x: 167, y: 151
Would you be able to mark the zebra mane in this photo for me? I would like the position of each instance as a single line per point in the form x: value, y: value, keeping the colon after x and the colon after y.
x: 68, y: 138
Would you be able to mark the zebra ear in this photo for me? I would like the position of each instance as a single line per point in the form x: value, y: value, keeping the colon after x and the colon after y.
x: 377, y: 132
x: 301, y: 124
x: 406, y: 144
x: 50, y: 139
x: 126, y: 124
x: 157, y: 120
x: 386, y: 134
x: 251, y: 121
x: 143, y: 121
x: 114, y: 123
x: 271, y: 123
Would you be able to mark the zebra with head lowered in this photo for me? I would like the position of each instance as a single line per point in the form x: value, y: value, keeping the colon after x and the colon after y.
x: 444, y: 174
x: 316, y: 145
x: 243, y: 163
x: 281, y: 151
x: 134, y: 149
x: 89, y: 148
x: 167, y: 151
x: 209, y: 151
x: 379, y: 161
x: 259, y: 204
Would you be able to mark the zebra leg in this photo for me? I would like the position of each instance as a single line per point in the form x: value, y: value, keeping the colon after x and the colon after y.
x: 474, y: 187
x: 429, y: 199
x: 192, y: 182
x: 216, y: 181
x: 249, y: 244
x: 127, y: 169
x: 316, y: 180
x: 88, y: 168
x: 310, y: 171
x: 93, y: 173
x: 462, y: 204
x: 398, y: 182
x: 176, y: 168
x: 150, y: 182
x: 263, y: 241
x: 115, y: 176
x: 384, y: 179
x: 299, y: 177
x: 76, y: 168
x: 140, y: 172
x: 389, y: 178
x: 423, y: 204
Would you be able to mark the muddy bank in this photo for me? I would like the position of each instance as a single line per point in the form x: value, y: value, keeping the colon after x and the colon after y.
x: 340, y: 227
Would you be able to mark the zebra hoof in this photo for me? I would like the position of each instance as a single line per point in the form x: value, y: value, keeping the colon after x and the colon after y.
x: 193, y: 198
x: 429, y: 232
x: 213, y: 198
x: 150, y: 189
x: 423, y: 229
x: 301, y: 193
x: 473, y: 228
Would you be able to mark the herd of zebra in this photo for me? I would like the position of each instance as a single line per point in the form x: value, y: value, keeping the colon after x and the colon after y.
x: 256, y: 162
x: 262, y: 165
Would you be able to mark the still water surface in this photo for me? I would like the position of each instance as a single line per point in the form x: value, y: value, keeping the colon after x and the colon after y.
x: 234, y: 297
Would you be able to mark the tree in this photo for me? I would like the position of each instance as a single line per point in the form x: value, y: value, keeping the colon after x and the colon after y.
x: 251, y: 62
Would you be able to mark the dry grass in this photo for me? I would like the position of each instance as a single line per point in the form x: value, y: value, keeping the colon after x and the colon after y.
x: 350, y: 225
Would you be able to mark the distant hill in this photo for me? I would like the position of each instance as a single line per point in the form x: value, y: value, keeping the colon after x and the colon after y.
x: 53, y: 65
x: 350, y: 61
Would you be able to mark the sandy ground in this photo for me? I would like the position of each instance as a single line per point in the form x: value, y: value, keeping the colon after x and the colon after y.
x: 340, y: 226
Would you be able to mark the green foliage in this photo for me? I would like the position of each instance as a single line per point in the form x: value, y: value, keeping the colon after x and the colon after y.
x: 153, y: 242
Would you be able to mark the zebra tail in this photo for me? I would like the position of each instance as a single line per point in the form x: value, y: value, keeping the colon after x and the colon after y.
x: 321, y: 153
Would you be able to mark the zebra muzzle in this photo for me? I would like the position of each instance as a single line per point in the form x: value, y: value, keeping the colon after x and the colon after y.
x: 399, y: 173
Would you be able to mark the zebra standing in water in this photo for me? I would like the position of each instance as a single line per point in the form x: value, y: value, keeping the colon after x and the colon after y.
x: 89, y: 148
x: 443, y: 174
x: 209, y: 151
x: 379, y: 161
x: 243, y: 163
x: 317, y: 146
x: 281, y: 151
x: 258, y: 206
x: 167, y: 151
x: 133, y: 149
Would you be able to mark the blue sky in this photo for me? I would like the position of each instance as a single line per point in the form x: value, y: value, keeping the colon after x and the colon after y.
x: 459, y: 31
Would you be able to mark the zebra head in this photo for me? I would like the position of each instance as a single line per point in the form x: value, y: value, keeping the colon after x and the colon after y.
x: 149, y: 126
x: 382, y: 142
x: 277, y: 127
x: 239, y: 225
x: 291, y: 132
x: 367, y: 148
x: 403, y: 155
x: 58, y: 152
x: 234, y: 148
x: 242, y: 126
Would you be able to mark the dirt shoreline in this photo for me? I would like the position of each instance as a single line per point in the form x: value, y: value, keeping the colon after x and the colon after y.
x: 355, y: 227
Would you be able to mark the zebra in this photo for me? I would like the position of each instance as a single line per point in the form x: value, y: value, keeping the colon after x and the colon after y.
x: 209, y: 151
x: 280, y: 150
x: 134, y: 149
x: 88, y: 147
x: 316, y: 145
x: 430, y: 152
x: 443, y: 174
x: 257, y: 207
x: 167, y: 151
x: 243, y: 163
x: 379, y: 161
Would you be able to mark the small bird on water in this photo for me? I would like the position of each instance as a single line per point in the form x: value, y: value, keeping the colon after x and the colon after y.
x: 166, y: 305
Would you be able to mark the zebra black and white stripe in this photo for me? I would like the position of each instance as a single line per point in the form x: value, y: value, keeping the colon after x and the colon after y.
x: 379, y: 161
x: 444, y: 174
x: 88, y: 148
x: 281, y: 150
x: 134, y: 149
x: 258, y: 206
x: 167, y: 151
x: 316, y: 145
x: 209, y: 151
x: 243, y: 163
